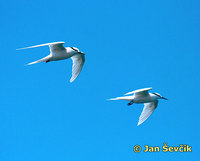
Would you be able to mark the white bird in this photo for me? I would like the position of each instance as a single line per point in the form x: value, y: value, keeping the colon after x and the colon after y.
x: 59, y: 52
x: 150, y: 101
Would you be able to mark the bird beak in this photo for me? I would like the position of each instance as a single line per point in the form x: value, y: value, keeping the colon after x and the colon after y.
x: 81, y: 52
x: 164, y: 98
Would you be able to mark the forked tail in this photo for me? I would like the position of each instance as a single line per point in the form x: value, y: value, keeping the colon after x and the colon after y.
x: 126, y: 98
x: 45, y: 59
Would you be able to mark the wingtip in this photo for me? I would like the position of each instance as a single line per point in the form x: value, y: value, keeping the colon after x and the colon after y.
x: 23, y: 48
x: 46, y: 44
x: 27, y: 47
x: 71, y: 80
x: 140, y: 122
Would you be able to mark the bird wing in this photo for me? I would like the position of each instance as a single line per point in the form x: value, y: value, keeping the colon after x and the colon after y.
x: 52, y: 46
x: 147, y: 111
x: 78, y: 61
x: 143, y: 91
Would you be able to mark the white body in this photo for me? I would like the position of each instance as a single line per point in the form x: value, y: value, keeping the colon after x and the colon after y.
x: 150, y: 101
x: 141, y: 98
x: 59, y: 52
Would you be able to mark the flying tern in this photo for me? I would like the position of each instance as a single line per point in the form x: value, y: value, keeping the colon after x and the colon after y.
x: 150, y: 101
x: 59, y: 52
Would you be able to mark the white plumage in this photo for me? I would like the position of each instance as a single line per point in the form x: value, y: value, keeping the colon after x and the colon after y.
x: 150, y: 101
x: 59, y: 52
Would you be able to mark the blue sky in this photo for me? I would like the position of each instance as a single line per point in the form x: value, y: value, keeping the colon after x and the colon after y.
x: 128, y: 45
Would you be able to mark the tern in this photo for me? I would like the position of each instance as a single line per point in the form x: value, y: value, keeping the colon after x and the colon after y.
x: 150, y: 101
x: 59, y: 52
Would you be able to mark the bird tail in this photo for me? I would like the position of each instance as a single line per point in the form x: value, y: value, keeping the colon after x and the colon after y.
x: 126, y: 98
x: 45, y: 59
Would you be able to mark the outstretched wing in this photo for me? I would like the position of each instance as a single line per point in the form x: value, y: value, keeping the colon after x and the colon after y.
x: 147, y: 111
x: 143, y: 91
x: 78, y: 61
x: 52, y: 46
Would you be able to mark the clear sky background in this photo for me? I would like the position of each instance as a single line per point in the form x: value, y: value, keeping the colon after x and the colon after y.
x: 128, y: 45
